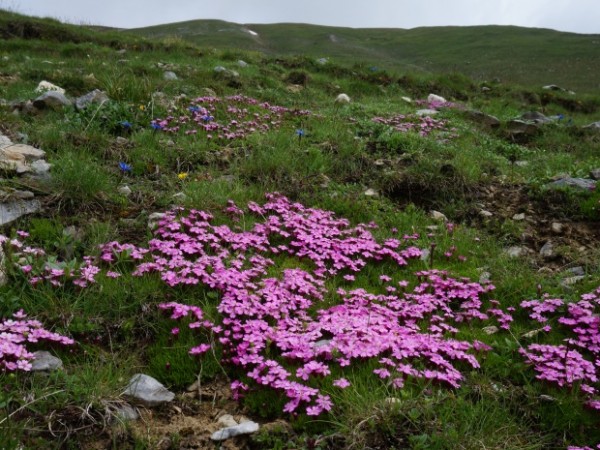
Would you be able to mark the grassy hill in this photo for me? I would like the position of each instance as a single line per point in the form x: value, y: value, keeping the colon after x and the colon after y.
x: 532, y: 57
x: 347, y: 275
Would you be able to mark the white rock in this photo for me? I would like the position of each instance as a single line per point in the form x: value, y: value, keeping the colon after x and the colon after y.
x: 342, y: 98
x: 426, y: 112
x: 229, y: 432
x: 519, y: 217
x: 484, y: 213
x: 44, y: 86
x: 435, y: 98
x: 242, y: 63
x: 44, y: 361
x: 406, y: 99
x: 425, y: 253
x: 515, y: 251
x: 148, y: 390
x: 440, y: 217
x: 170, y: 75
x: 125, y: 190
x: 40, y: 166
x: 227, y: 420
x: 557, y: 227
x: 371, y: 193
x: 154, y: 218
x: 490, y: 329
x: 547, y: 251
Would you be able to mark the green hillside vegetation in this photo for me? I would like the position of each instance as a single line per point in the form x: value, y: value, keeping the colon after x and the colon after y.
x: 532, y: 57
x: 382, y: 313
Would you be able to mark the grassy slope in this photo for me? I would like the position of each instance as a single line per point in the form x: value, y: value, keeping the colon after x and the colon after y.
x: 528, y: 56
x: 116, y: 322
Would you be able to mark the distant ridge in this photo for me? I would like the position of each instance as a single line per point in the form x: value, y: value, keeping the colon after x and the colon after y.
x: 528, y: 56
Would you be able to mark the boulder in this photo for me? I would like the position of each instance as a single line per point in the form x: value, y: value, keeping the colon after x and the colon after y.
x: 518, y: 127
x: 148, y: 391
x: 51, y: 99
x: 95, y: 96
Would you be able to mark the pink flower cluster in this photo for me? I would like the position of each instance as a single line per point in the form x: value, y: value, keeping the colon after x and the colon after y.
x: 577, y: 360
x: 16, y: 334
x: 229, y: 118
x: 265, y: 311
x: 424, y: 125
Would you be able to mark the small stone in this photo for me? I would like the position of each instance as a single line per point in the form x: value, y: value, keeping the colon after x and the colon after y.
x: 485, y: 214
x: 242, y: 63
x: 577, y: 271
x: 486, y: 89
x: 431, y: 228
x: 148, y: 391
x: 371, y: 193
x: 490, y: 329
x: 557, y: 228
x: 392, y: 401
x: 595, y: 174
x: 229, y: 432
x: 44, y: 361
x: 532, y: 333
x: 11, y: 211
x: 547, y: 251
x: 570, y: 281
x: 40, y: 166
x: 342, y: 98
x: 521, y: 163
x: 209, y: 92
x: 547, y: 398
x: 433, y: 98
x: 426, y: 112
x: 170, y: 75
x: 519, y: 217
x: 438, y: 216
x: 121, y: 140
x: 406, y: 99
x: 125, y: 190
x: 126, y: 412
x: 485, y: 277
x: 322, y: 61
x: 227, y: 420
x: 179, y: 196
x: 45, y: 86
x: 515, y: 251
x: 96, y: 96
x: 154, y: 218
x: 220, y: 69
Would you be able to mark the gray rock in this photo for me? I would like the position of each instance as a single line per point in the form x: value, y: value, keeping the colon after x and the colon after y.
x: 431, y: 98
x: 18, y: 157
x: 516, y: 251
x: 242, y: 63
x: 595, y: 126
x: 125, y: 190
x: 126, y: 412
x: 519, y: 217
x: 571, y: 281
x: 484, y: 119
x: 229, y: 432
x: 51, y: 99
x: 535, y: 117
x: 371, y: 193
x: 220, y: 69
x: 180, y: 197
x: 521, y: 163
x: 95, y: 96
x: 322, y: 61
x: 557, y: 228
x: 425, y: 254
x: 170, y: 75
x: 40, y: 166
x: 485, y: 214
x: 547, y: 251
x: 21, y: 195
x: 595, y: 174
x: 13, y: 210
x: 552, y: 87
x: 148, y: 391
x: 44, y: 361
x: 577, y: 183
x: 576, y: 271
x: 519, y: 127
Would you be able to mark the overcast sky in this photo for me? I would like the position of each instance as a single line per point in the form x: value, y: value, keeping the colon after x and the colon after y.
x: 580, y: 16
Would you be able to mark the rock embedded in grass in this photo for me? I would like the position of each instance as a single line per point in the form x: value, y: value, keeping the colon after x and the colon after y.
x: 52, y: 100
x: 229, y: 432
x: 45, y: 362
x: 148, y: 391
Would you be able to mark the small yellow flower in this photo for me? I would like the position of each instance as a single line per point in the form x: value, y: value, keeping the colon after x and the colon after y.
x: 182, y: 175
x: 142, y: 108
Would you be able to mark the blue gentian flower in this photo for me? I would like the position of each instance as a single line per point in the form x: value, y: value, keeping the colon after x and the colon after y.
x: 124, y: 167
x: 125, y: 124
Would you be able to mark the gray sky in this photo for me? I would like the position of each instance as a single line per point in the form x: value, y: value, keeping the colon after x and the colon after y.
x: 580, y: 16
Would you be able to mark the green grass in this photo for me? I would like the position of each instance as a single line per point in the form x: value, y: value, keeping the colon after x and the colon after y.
x: 341, y: 154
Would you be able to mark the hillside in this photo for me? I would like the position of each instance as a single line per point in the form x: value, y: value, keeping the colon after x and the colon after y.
x: 284, y: 266
x: 532, y: 57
